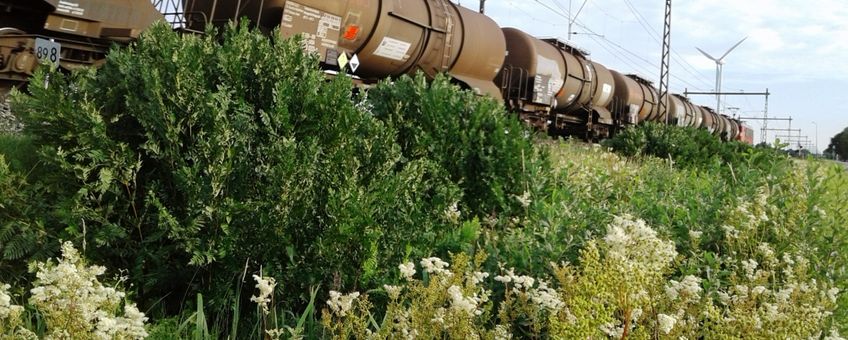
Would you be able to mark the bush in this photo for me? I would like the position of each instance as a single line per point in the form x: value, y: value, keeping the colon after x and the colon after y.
x: 691, y: 147
x: 189, y: 150
x: 483, y: 148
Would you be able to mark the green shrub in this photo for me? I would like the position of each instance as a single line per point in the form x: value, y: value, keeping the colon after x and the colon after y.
x: 190, y: 150
x: 685, y: 146
x: 483, y: 148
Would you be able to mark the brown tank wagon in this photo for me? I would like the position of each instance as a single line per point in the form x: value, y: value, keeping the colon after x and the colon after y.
x: 67, y: 33
x: 380, y: 38
x: 681, y: 111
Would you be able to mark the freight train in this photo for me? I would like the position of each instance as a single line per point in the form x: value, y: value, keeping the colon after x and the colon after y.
x: 547, y: 82
x: 67, y: 33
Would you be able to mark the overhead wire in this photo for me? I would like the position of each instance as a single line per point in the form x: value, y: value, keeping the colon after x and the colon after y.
x: 637, y: 56
x: 687, y: 67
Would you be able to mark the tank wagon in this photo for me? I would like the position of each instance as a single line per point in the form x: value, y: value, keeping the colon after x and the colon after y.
x: 68, y: 33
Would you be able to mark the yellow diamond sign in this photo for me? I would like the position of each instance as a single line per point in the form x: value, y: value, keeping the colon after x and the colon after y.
x: 343, y: 60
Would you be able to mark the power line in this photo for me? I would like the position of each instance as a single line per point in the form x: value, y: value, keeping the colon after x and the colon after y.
x: 687, y: 67
x: 627, y: 51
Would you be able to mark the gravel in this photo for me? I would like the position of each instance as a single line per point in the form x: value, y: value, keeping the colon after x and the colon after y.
x: 8, y: 121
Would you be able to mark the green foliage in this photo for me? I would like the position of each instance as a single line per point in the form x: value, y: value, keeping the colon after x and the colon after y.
x: 839, y: 145
x: 209, y: 153
x: 484, y: 149
x: 685, y: 146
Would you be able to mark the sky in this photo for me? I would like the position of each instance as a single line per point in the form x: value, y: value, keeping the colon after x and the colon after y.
x: 798, y: 50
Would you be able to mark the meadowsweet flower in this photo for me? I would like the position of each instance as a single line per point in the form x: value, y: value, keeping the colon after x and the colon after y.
x: 524, y: 199
x: 750, y: 267
x: 407, y: 270
x: 689, y: 288
x: 266, y: 290
x: 834, y: 335
x: 666, y: 322
x: 831, y: 294
x: 502, y: 333
x: 819, y: 211
x: 341, y: 304
x: 546, y: 298
x: 393, y: 291
x: 635, y: 314
x: 782, y: 296
x: 633, y: 243
x: 70, y: 291
x: 730, y: 231
x: 7, y: 309
x: 724, y: 298
x: 435, y: 265
x: 758, y: 290
x: 612, y: 330
x: 461, y: 303
x: 695, y: 235
x: 479, y: 277
x: 439, y: 316
x: 766, y: 251
x: 452, y: 213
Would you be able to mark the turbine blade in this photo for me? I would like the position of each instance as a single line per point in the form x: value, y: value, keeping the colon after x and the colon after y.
x: 706, y: 54
x: 733, y: 48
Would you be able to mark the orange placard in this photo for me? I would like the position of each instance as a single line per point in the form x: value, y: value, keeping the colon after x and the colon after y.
x: 351, y: 32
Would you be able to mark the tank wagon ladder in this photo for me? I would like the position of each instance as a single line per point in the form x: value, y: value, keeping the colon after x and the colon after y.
x: 448, y: 34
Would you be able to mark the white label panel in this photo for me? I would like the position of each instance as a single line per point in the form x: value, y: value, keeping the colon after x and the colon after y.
x: 71, y: 8
x: 393, y: 49
x: 48, y: 51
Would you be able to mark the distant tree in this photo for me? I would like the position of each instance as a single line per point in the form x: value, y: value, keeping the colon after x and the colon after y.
x: 839, y: 145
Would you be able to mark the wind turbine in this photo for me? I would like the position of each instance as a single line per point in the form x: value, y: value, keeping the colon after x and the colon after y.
x: 719, y: 65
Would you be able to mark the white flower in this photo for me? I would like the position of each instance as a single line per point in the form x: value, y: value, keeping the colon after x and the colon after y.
x: 502, y: 333
x: 479, y: 277
x: 452, y: 213
x: 524, y: 199
x: 70, y: 291
x: 724, y: 298
x: 407, y: 270
x: 393, y: 291
x: 819, y: 211
x: 461, y: 303
x: 666, y: 322
x: 341, y: 304
x: 831, y: 294
x: 7, y: 309
x: 636, y: 314
x: 694, y: 234
x: 750, y: 267
x: 546, y: 298
x: 636, y: 246
x: 784, y: 295
x: 612, y: 330
x: 689, y: 288
x: 766, y: 250
x: 730, y: 231
x: 266, y: 290
x: 758, y: 290
x: 435, y: 265
x: 834, y: 335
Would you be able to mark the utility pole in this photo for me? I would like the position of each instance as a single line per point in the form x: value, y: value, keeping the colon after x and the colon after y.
x: 764, y: 94
x: 817, y: 137
x: 664, y: 65
x: 482, y: 6
x: 573, y: 18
